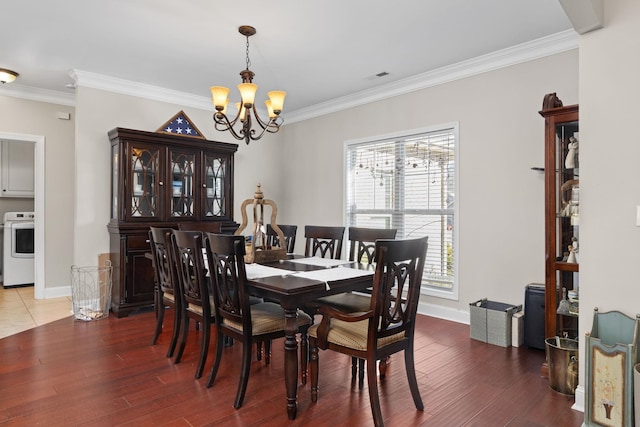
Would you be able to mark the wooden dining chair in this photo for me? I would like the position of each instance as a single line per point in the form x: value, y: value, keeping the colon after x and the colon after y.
x: 362, y: 244
x: 289, y: 232
x: 192, y: 281
x: 204, y: 226
x: 165, y: 276
x: 388, y: 325
x: 215, y: 227
x: 234, y: 315
x: 322, y: 241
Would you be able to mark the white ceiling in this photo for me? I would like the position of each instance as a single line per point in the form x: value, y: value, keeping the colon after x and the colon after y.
x: 317, y: 51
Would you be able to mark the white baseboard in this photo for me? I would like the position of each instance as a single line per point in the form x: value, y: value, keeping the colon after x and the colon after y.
x: 578, y: 405
x: 57, y: 292
x: 444, y: 313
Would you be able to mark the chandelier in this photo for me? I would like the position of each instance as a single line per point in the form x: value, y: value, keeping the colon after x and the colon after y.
x: 247, y: 113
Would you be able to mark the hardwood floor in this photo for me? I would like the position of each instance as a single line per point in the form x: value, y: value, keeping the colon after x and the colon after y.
x: 106, y: 373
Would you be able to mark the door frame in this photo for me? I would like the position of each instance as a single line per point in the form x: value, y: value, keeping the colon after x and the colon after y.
x: 38, y: 202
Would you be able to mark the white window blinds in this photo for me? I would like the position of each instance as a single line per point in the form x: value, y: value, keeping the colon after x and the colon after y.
x: 408, y: 183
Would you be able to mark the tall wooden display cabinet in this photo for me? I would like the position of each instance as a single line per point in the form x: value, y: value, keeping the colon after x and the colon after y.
x: 562, y: 215
x: 160, y: 179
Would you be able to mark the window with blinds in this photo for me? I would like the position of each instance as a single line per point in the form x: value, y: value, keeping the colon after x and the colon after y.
x: 408, y: 183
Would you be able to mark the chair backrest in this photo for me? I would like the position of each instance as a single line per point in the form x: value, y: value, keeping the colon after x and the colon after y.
x: 192, y: 275
x: 396, y: 286
x: 225, y: 257
x: 325, y: 242
x: 163, y: 266
x: 363, y: 242
x: 204, y: 226
x: 289, y: 232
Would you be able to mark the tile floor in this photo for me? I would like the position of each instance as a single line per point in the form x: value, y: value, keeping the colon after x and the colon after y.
x: 20, y: 311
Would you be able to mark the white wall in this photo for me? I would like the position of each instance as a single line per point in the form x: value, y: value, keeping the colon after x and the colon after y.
x: 99, y: 112
x: 609, y: 156
x: 501, y: 199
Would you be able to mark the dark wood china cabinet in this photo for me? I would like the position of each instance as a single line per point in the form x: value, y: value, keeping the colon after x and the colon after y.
x: 562, y: 217
x: 160, y: 179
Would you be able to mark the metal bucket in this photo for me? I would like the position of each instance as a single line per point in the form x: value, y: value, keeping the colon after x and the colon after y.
x: 562, y: 358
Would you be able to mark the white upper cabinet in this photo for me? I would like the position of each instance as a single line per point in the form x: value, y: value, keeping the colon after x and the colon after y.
x: 17, y: 162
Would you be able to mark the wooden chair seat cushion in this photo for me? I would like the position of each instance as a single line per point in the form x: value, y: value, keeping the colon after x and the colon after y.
x: 267, y: 317
x: 352, y: 334
x: 195, y: 308
x: 169, y: 297
x: 348, y: 302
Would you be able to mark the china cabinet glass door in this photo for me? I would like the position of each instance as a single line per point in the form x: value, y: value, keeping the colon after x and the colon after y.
x: 182, y: 184
x: 144, y: 163
x: 567, y: 226
x: 214, y: 179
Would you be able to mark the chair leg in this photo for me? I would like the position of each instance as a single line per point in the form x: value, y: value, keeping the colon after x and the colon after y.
x: 155, y: 300
x: 374, y: 399
x: 354, y: 367
x: 216, y: 363
x: 175, y: 333
x: 383, y: 366
x: 304, y: 355
x: 244, y: 374
x: 361, y: 365
x: 259, y: 351
x: 159, y: 321
x: 313, y: 370
x: 183, y: 341
x: 204, y: 350
x: 411, y: 376
x: 267, y: 352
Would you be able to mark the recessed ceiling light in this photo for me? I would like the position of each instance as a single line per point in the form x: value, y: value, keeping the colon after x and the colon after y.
x: 7, y: 76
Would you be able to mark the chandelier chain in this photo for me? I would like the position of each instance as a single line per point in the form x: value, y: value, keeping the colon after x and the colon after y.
x: 248, y: 60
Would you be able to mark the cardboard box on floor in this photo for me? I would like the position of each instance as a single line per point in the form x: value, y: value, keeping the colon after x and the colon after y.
x: 103, y: 258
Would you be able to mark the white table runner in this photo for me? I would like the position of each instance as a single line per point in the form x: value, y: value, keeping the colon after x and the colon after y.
x: 320, y: 262
x: 257, y: 271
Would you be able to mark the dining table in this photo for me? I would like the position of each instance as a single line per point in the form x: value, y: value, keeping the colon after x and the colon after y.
x: 295, y: 282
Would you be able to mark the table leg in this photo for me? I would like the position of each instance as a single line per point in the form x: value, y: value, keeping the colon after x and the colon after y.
x: 291, y: 361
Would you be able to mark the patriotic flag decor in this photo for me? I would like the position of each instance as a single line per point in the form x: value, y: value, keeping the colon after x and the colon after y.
x: 180, y: 124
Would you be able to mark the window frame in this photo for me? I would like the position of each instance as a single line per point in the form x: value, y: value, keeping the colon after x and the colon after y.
x: 453, y: 127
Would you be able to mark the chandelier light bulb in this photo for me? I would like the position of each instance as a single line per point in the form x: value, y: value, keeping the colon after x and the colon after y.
x: 277, y: 100
x: 267, y: 103
x: 248, y: 93
x: 219, y: 96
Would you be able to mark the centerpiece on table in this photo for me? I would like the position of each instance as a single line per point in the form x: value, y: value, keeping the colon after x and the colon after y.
x: 258, y: 247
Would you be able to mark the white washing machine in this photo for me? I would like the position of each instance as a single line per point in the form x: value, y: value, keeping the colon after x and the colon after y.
x: 18, y: 250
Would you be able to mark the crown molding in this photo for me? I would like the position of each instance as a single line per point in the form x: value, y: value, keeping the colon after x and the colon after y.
x: 142, y: 90
x: 535, y: 49
x: 37, y: 94
x: 542, y: 47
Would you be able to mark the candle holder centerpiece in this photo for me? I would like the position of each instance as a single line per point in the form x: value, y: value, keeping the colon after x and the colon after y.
x: 257, y: 245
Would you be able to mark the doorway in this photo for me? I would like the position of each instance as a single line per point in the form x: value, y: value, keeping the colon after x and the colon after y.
x: 38, y: 204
